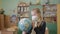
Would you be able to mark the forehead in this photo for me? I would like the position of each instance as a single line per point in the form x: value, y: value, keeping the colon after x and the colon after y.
x: 34, y: 11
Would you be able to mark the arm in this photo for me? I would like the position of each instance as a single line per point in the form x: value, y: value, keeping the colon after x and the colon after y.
x: 41, y: 28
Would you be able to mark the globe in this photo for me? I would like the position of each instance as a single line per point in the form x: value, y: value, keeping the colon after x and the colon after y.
x: 25, y: 24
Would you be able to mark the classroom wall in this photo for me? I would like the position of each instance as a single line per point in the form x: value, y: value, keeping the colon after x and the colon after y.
x: 58, y: 1
x: 0, y: 3
x: 10, y: 5
x: 50, y: 1
x: 58, y: 19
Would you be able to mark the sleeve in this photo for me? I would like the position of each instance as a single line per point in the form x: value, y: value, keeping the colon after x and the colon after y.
x: 41, y: 28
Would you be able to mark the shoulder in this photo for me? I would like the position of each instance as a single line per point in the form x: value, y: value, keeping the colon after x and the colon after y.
x: 43, y: 23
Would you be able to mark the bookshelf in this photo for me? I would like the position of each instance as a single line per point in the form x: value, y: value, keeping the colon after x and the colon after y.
x: 23, y: 10
x: 50, y: 12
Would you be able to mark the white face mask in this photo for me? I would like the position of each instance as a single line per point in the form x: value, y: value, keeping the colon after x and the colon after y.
x: 35, y: 18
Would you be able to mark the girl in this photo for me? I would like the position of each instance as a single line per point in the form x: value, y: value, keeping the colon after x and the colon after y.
x: 38, y: 24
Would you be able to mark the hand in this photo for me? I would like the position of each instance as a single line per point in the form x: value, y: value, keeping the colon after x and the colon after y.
x: 34, y: 25
x: 23, y: 32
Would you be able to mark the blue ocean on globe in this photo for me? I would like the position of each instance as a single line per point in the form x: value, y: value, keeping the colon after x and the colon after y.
x: 25, y: 24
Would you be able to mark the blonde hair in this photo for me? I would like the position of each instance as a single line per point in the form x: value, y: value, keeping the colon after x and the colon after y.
x: 37, y: 10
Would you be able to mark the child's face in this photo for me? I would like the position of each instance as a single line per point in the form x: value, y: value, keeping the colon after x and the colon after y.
x: 34, y: 18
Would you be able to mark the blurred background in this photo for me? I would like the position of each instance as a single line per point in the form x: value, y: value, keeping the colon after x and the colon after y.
x: 19, y: 9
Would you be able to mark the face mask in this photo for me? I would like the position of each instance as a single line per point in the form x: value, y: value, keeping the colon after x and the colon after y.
x: 35, y: 18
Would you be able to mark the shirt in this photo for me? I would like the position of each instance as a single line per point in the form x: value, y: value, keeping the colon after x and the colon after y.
x: 40, y: 29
